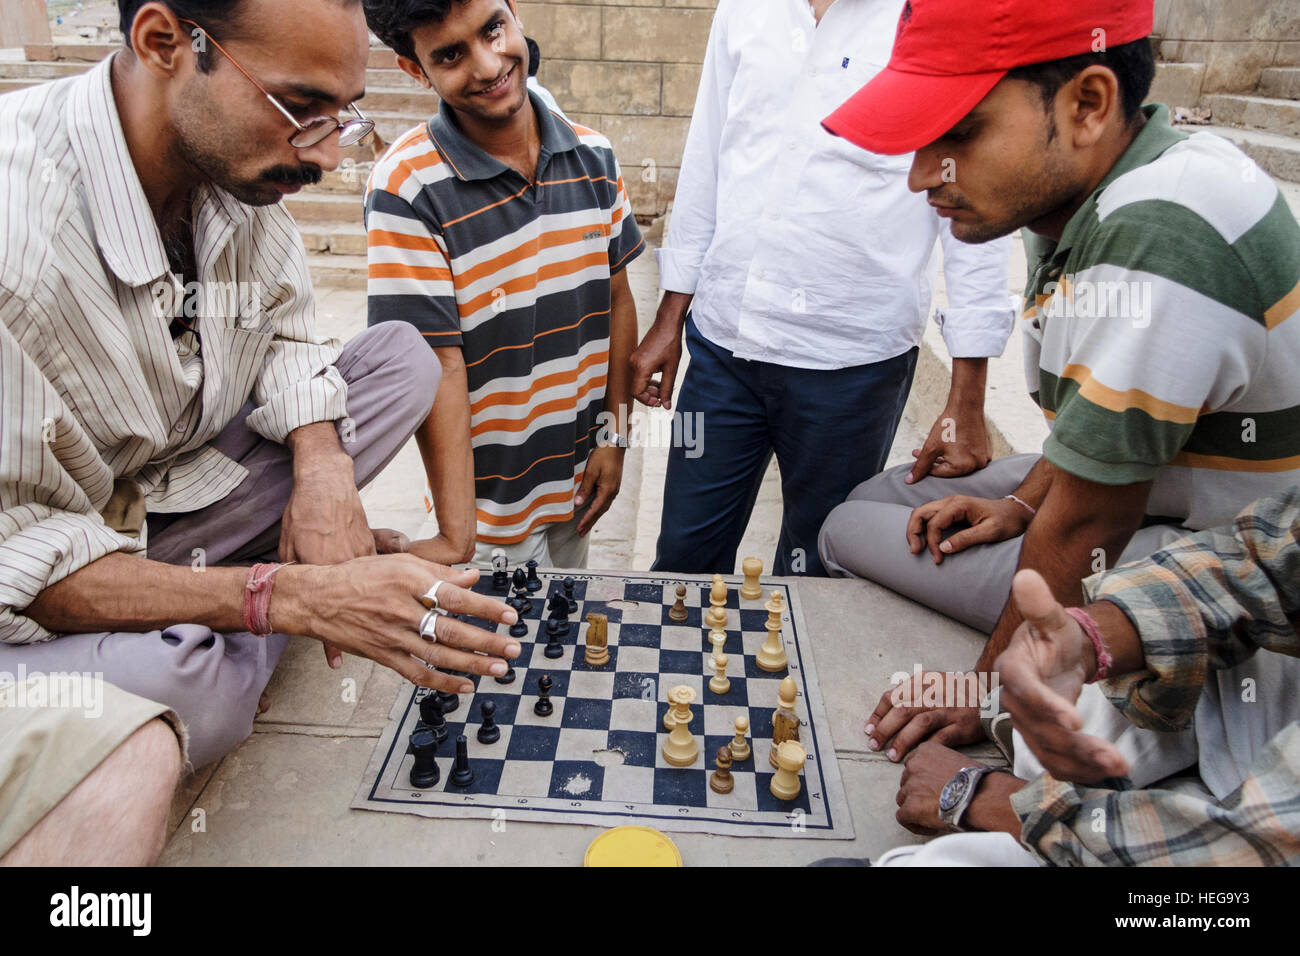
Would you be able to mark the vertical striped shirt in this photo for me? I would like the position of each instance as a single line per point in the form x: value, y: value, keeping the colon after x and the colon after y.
x: 516, y: 272
x: 94, y: 391
x: 1162, y: 334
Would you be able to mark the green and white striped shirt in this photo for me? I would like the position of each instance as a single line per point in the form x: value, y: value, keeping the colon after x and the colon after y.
x: 1162, y: 340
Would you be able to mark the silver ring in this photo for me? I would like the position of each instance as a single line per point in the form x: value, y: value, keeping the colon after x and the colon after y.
x: 430, y: 599
x: 429, y: 625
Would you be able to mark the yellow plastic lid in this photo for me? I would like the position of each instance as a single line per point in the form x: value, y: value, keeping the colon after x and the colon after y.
x: 632, y: 846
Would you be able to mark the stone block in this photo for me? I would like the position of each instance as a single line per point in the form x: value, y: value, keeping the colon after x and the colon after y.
x: 1177, y: 84
x: 1234, y: 67
x: 588, y: 86
x: 562, y: 30
x: 668, y: 36
x: 681, y: 81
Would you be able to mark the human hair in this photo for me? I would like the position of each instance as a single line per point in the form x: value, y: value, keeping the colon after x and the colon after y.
x: 534, y: 56
x: 220, y: 17
x: 393, y: 20
x: 1133, y: 64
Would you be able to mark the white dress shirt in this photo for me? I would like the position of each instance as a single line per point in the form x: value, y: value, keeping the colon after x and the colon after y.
x: 95, y: 394
x: 800, y: 248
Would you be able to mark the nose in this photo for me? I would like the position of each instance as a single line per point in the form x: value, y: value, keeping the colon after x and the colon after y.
x: 324, y: 154
x: 927, y: 170
x: 487, y: 63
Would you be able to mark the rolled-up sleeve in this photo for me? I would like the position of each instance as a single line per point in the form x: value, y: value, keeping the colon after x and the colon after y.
x: 298, y: 383
x: 52, y: 483
x: 980, y: 313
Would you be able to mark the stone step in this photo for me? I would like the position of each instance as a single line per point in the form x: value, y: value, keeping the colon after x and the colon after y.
x: 40, y: 72
x: 1279, y: 81
x: 1266, y: 113
x: 1177, y: 84
x: 330, y: 271
x: 334, y: 238
x: 1279, y: 156
x: 325, y: 207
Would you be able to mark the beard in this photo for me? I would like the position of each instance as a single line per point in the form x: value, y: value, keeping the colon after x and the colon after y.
x: 204, y: 147
x: 1034, y: 195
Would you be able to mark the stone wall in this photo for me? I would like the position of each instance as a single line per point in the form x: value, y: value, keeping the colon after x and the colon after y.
x: 1234, y: 39
x: 628, y: 68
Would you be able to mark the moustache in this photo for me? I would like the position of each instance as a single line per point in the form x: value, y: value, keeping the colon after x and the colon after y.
x: 308, y: 175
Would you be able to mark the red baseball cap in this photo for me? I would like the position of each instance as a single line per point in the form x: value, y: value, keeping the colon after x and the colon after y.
x: 948, y: 55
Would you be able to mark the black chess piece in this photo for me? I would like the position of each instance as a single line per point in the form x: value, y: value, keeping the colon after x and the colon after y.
x: 509, y: 676
x: 488, y: 731
x: 424, y: 773
x: 500, y: 580
x: 461, y: 774
x: 557, y: 626
x: 569, y: 585
x: 519, y: 580
x: 554, y: 649
x: 520, y: 627
x: 544, y: 707
x: 534, y: 582
x: 448, y: 702
x: 431, y: 717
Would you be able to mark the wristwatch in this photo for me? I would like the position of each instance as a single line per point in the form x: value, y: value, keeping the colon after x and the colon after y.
x: 957, y: 794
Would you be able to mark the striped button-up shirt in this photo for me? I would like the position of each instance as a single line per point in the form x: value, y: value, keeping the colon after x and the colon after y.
x: 1200, y: 606
x: 94, y: 391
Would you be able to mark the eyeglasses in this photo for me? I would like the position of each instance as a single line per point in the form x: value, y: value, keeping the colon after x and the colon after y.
x: 351, y: 132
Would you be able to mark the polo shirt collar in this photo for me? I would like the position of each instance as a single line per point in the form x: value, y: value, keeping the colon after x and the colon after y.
x: 1156, y: 136
x: 125, y: 229
x: 471, y: 162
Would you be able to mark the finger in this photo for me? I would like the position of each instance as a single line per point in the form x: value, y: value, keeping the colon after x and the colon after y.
x: 889, y: 726
x: 1031, y: 702
x: 333, y: 656
x: 916, y: 524
x: 921, y: 467
x: 589, y: 478
x: 1036, y: 602
x: 411, y: 669
x: 952, y: 512
x: 642, y: 375
x: 981, y: 533
x: 919, y: 728
x: 604, y: 498
x: 458, y: 599
x: 449, y: 658
x: 1079, y: 758
x: 453, y: 633
x: 947, y: 467
x: 668, y: 379
x: 884, y: 707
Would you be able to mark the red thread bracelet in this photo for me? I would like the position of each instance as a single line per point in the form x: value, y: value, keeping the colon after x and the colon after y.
x: 1090, y: 628
x: 257, y: 598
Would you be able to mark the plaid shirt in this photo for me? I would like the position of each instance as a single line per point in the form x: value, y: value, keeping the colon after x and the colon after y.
x: 1205, y: 603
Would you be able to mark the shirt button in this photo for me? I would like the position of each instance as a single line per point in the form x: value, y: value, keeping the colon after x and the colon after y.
x: 793, y: 144
x: 178, y: 427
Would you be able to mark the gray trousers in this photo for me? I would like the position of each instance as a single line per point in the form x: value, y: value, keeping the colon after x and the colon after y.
x: 866, y: 537
x: 213, y: 681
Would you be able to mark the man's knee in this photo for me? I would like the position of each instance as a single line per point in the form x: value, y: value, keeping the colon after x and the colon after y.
x: 884, y: 486
x: 843, y: 525
x: 404, y: 357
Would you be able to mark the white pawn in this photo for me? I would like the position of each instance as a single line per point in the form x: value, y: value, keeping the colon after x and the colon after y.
x: 719, y: 683
x: 740, y: 746
x: 790, y: 760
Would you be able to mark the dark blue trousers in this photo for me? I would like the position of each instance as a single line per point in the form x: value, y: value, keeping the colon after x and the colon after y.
x: 830, y: 431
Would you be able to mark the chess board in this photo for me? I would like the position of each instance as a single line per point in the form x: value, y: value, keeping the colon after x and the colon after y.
x: 597, y: 759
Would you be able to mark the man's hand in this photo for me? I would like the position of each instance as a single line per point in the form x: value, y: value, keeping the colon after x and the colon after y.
x: 324, y: 522
x: 958, y: 444
x: 371, y: 607
x: 660, y: 353
x: 602, y: 478
x: 904, y: 717
x: 925, y: 772
x: 1042, y: 672
x: 990, y: 520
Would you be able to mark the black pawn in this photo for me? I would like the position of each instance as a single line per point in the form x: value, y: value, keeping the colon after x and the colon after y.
x: 488, y: 731
x: 509, y: 676
x: 461, y: 774
x: 520, y: 627
x: 424, y: 773
x: 534, y: 582
x: 544, y: 707
x: 432, y: 718
x: 448, y: 702
x: 569, y: 585
x: 554, y: 648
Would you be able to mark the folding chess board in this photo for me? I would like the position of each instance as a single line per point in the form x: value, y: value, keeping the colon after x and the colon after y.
x: 597, y: 759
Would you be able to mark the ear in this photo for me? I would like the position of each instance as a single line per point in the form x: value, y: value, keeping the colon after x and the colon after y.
x: 413, y: 69
x: 1094, y: 104
x: 160, y: 41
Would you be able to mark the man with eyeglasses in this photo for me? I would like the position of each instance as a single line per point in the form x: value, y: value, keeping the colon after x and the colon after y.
x: 171, y: 426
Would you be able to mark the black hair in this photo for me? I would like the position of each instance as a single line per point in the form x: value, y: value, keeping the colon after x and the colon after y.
x: 534, y: 56
x: 1133, y: 64
x: 393, y: 20
x: 216, y: 16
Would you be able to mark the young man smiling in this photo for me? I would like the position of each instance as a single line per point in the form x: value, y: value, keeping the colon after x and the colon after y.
x: 1165, y: 418
x: 501, y: 231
